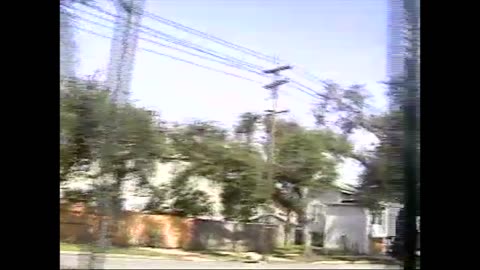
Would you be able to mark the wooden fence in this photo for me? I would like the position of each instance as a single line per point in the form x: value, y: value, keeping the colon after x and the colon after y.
x: 78, y: 224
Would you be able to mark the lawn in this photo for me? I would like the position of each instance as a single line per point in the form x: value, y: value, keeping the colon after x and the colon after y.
x: 295, y: 252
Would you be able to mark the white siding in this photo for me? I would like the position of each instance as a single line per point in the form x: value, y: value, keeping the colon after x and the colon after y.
x: 325, y: 197
x: 391, y: 220
x: 321, y: 198
x: 163, y: 175
x: 346, y: 227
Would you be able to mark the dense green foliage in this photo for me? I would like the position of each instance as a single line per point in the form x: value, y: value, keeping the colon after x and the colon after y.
x: 106, y: 142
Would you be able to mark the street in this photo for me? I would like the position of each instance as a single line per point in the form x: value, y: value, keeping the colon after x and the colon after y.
x: 111, y: 262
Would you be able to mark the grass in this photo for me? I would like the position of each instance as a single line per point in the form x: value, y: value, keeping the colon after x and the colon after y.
x: 296, y: 253
x: 293, y: 250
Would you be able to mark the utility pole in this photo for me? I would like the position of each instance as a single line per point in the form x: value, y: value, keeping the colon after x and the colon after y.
x: 123, y: 47
x: 271, y: 113
x: 119, y: 76
x: 410, y: 111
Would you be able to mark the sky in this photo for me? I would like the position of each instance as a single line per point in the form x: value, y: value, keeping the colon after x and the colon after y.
x: 340, y: 40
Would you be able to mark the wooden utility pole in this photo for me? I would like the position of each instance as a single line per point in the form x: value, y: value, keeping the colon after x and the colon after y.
x: 273, y: 87
x: 119, y: 75
x: 123, y: 47
x: 271, y: 113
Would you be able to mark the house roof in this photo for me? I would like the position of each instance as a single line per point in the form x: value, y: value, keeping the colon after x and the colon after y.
x: 346, y: 188
x: 344, y: 204
x: 392, y: 204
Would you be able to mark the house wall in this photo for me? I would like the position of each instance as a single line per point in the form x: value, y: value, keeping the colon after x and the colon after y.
x: 325, y: 197
x: 389, y: 221
x: 318, y: 226
x: 391, y: 213
x: 346, y: 229
x: 321, y: 198
x: 164, y: 173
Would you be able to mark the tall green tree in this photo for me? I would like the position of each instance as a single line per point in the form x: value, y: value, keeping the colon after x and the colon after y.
x: 306, y: 160
x: 382, y: 176
x: 243, y: 171
x: 383, y: 179
x: 106, y: 143
x: 346, y: 108
x: 247, y: 126
x: 236, y: 167
x: 82, y: 112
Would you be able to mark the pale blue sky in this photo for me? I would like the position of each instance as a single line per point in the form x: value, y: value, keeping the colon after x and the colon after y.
x: 342, y: 40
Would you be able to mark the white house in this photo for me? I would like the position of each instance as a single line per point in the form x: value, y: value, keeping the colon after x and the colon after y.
x: 319, y: 201
x: 346, y: 228
x: 164, y: 173
x: 384, y: 222
x: 344, y: 224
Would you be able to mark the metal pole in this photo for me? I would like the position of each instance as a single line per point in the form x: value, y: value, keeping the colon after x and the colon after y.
x: 411, y: 132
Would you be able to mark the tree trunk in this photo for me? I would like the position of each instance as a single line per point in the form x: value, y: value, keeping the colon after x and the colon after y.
x: 104, y: 241
x: 95, y: 262
x: 104, y: 200
x: 249, y: 139
x: 307, y: 236
x: 234, y: 236
x: 263, y: 245
x: 288, y: 228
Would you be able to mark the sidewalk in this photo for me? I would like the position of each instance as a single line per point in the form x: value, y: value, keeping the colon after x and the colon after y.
x: 149, y: 257
x: 225, y: 256
x: 197, y: 258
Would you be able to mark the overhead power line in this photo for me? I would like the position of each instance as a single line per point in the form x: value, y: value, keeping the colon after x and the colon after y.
x: 309, y: 76
x: 312, y: 92
x: 302, y: 90
x: 217, y: 40
x: 177, y: 49
x: 174, y: 57
x: 231, y: 45
x: 251, y: 52
x: 234, y: 62
x: 173, y: 39
x: 296, y: 85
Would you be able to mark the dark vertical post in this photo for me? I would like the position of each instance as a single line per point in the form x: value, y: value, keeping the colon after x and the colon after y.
x: 411, y: 131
